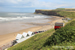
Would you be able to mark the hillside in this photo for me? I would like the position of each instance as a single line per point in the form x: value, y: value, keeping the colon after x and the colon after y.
x: 44, y: 41
x: 34, y: 43
x: 62, y: 12
x: 61, y: 39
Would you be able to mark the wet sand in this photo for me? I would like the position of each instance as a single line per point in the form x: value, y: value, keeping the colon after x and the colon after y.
x: 6, y: 38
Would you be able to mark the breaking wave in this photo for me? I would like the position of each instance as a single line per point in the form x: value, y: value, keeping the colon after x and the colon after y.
x: 19, y: 18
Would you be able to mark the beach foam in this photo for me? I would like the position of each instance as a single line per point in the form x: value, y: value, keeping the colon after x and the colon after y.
x: 20, y: 18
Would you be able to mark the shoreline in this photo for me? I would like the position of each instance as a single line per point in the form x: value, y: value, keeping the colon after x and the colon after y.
x: 4, y: 39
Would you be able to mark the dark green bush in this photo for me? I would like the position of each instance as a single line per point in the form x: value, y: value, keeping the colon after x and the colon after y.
x: 66, y: 33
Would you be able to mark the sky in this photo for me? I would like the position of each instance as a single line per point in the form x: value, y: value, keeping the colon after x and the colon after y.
x: 31, y: 5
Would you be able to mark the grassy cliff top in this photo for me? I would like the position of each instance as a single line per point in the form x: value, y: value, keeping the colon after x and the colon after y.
x: 65, y: 12
x: 61, y: 9
x: 43, y: 9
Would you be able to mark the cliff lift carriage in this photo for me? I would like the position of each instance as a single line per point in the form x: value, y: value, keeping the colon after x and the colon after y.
x: 58, y: 25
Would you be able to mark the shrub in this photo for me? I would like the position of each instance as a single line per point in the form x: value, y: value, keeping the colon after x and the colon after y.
x: 66, y: 33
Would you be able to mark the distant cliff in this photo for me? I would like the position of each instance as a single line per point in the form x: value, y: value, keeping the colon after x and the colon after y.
x: 48, y: 12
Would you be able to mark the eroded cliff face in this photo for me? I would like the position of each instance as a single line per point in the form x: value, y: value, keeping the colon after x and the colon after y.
x: 47, y: 12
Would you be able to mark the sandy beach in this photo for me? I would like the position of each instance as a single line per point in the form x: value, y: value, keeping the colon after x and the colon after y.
x: 6, y: 38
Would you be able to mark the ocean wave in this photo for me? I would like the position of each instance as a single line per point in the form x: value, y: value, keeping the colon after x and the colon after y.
x: 19, y: 18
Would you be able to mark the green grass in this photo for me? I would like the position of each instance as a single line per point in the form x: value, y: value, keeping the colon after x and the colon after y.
x: 45, y: 41
x: 34, y: 43
x: 50, y: 39
x: 62, y: 37
x: 66, y: 14
x: 60, y: 12
x: 62, y: 46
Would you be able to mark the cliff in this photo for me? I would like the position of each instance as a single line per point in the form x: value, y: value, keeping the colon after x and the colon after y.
x: 48, y: 12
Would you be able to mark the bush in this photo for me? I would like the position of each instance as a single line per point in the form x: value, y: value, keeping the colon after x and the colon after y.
x: 66, y: 33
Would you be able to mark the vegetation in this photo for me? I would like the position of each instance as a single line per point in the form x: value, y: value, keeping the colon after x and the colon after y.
x: 34, y: 43
x: 66, y: 9
x: 50, y: 39
x: 66, y: 33
x: 62, y: 37
x: 66, y: 14
x: 60, y: 9
x: 70, y: 13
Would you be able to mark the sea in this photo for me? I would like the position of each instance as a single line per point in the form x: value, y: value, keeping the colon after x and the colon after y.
x: 16, y: 21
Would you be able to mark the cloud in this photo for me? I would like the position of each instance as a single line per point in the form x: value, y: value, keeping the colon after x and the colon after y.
x: 14, y: 1
x: 37, y: 4
x: 33, y: 3
x: 10, y: 1
x: 60, y: 5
